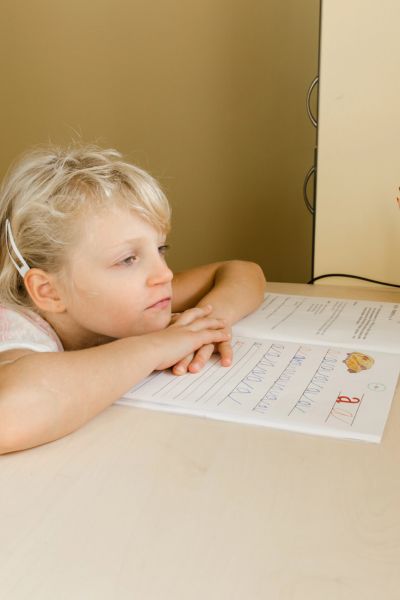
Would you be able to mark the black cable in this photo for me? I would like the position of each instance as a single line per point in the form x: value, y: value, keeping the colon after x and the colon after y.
x: 353, y: 277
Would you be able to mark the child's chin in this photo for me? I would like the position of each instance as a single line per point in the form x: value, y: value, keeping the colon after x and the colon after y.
x: 161, y: 322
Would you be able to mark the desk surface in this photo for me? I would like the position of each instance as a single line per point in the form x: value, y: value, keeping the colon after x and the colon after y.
x: 154, y: 506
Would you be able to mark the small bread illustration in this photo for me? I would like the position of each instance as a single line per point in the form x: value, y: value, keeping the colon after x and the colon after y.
x: 358, y: 361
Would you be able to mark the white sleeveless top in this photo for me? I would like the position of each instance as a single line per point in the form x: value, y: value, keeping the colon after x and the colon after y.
x: 26, y: 329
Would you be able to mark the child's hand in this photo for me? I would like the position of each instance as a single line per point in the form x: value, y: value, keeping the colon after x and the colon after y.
x: 192, y: 332
x: 195, y: 361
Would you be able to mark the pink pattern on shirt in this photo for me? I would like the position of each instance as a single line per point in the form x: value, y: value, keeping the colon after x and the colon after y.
x: 26, y: 329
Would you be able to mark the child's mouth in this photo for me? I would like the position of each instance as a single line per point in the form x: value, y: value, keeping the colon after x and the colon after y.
x: 163, y: 303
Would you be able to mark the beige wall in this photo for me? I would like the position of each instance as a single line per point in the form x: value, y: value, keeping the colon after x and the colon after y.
x: 208, y: 96
x: 358, y: 221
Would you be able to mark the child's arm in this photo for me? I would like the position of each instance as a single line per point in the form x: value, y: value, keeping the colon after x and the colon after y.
x: 233, y: 288
x: 44, y: 396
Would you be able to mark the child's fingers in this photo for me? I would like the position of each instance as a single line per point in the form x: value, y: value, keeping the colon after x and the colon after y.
x: 181, y: 367
x: 226, y: 353
x: 195, y: 361
x: 200, y: 358
x: 207, y: 323
x: 192, y: 314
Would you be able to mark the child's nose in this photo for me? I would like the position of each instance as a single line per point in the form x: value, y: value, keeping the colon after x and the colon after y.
x: 161, y: 273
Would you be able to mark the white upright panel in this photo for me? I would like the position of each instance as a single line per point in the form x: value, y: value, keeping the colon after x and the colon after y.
x: 357, y: 227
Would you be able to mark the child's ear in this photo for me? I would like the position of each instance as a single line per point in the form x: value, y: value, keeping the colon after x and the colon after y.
x: 42, y: 288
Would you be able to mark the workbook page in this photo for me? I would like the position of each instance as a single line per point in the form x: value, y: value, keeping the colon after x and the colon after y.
x: 300, y: 387
x: 355, y: 323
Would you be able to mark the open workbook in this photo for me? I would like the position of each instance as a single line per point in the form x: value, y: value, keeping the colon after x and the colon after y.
x: 322, y: 366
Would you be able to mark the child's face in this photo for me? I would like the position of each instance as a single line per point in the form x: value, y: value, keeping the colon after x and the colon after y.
x: 119, y: 283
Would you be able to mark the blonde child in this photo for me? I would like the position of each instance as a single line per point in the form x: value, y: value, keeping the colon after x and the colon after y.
x: 88, y: 305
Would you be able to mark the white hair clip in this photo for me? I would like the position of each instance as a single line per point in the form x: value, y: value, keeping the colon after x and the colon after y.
x: 22, y: 268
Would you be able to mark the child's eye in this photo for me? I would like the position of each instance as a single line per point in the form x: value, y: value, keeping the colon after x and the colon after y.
x: 163, y: 249
x: 129, y: 260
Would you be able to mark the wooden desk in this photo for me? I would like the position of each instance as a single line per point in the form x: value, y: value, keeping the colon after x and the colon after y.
x: 142, y: 505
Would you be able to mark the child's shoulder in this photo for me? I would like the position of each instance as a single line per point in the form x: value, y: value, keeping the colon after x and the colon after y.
x: 26, y: 329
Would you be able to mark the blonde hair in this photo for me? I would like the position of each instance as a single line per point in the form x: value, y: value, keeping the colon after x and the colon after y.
x: 47, y: 191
